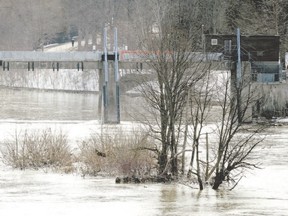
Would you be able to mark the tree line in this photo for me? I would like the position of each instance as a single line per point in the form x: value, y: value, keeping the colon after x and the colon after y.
x: 30, y: 24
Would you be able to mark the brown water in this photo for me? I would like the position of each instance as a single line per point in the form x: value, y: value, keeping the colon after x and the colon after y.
x: 262, y: 192
x: 23, y: 104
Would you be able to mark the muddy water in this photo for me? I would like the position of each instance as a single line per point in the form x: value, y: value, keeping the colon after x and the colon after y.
x: 262, y: 192
x: 23, y: 104
x: 42, y: 105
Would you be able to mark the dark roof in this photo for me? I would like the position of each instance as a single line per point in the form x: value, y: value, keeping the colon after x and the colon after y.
x: 255, y: 47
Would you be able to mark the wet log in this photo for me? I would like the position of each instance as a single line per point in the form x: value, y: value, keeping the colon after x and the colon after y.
x: 100, y: 154
x: 145, y: 179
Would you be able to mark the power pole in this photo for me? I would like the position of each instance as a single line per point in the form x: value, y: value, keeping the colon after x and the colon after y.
x: 238, y: 77
x: 239, y: 69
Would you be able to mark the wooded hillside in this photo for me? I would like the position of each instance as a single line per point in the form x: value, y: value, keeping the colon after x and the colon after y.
x: 28, y: 24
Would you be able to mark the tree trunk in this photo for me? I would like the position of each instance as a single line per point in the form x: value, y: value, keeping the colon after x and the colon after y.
x: 162, y: 160
x: 191, y: 162
x: 198, y: 167
x: 174, y: 162
x: 174, y: 166
x: 200, y: 182
x: 218, y: 180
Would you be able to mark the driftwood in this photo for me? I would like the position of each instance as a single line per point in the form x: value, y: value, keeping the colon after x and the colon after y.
x: 101, y: 154
x: 145, y: 179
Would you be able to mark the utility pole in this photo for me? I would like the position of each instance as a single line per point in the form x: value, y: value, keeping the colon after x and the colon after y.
x: 116, y: 70
x: 239, y: 69
x: 238, y: 77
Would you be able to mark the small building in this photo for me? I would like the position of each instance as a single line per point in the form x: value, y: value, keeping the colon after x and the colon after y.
x: 260, y: 50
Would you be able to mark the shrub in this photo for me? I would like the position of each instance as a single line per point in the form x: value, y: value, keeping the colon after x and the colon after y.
x: 119, y: 153
x: 38, y: 149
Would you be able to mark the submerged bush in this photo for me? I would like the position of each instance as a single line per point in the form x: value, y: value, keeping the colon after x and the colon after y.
x: 119, y: 153
x: 38, y: 149
x: 108, y: 153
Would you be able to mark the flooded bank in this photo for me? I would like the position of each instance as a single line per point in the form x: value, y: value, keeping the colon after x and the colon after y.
x: 40, y: 193
x: 26, y: 192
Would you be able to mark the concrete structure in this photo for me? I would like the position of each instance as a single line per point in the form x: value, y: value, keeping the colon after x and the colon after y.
x: 261, y: 65
x: 19, y: 61
x: 261, y: 51
x: 30, y: 60
x: 262, y: 59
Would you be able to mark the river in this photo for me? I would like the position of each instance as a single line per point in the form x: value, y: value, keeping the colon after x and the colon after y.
x: 263, y: 191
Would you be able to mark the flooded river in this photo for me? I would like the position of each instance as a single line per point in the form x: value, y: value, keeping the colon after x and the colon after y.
x: 262, y: 192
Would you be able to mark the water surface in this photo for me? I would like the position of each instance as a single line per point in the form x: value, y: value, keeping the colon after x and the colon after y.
x: 262, y: 192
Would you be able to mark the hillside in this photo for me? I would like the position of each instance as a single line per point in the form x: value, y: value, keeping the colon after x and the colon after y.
x: 27, y: 25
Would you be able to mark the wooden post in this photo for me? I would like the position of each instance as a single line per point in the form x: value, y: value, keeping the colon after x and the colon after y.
x: 207, y: 158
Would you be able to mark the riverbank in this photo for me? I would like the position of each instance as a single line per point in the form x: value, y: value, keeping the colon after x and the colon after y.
x: 261, y: 192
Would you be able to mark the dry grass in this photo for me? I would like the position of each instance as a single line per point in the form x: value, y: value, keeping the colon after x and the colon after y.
x: 109, y: 154
x: 38, y: 149
x: 119, y: 153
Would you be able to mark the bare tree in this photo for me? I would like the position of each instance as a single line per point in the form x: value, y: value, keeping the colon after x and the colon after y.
x: 215, y: 101
x: 200, y: 107
x: 169, y: 46
x: 235, y: 139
